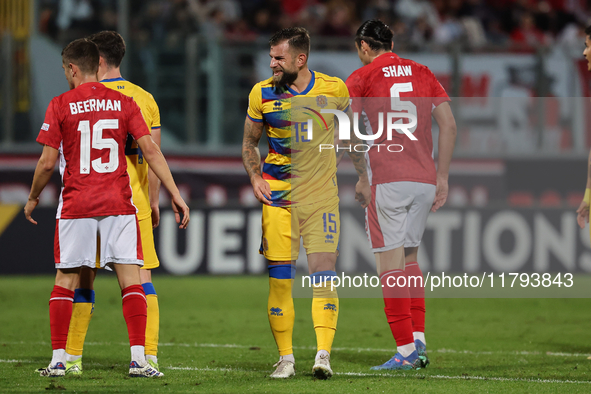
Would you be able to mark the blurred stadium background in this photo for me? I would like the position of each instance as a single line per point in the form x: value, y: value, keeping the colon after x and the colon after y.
x: 514, y: 68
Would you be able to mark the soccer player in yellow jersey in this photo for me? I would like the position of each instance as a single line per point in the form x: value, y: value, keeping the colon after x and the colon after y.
x: 583, y: 211
x: 145, y: 187
x: 299, y: 197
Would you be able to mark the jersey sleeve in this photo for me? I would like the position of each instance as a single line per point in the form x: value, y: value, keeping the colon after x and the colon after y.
x: 51, y: 132
x: 255, y: 104
x: 438, y: 93
x: 155, y: 113
x: 343, y: 96
x: 136, y: 125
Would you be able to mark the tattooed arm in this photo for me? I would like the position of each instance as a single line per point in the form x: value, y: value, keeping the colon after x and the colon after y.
x: 338, y: 145
x: 251, y: 158
x: 362, y: 189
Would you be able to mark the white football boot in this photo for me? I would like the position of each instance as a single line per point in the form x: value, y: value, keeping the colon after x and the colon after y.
x: 146, y: 371
x: 59, y: 369
x: 321, y: 368
x: 285, y: 369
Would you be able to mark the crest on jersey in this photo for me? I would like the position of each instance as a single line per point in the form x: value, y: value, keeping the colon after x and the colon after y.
x: 321, y: 101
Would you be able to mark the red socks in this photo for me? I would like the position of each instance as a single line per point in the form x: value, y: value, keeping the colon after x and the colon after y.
x: 135, y: 312
x: 397, y: 301
x: 417, y: 297
x: 60, y: 312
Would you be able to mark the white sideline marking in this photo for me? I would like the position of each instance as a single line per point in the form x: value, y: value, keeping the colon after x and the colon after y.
x: 344, y: 349
x: 399, y: 375
x: 361, y: 374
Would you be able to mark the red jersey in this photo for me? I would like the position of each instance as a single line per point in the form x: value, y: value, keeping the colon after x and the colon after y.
x: 410, y: 87
x: 89, y: 127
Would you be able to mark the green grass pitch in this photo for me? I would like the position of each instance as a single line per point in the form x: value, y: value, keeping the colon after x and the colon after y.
x: 215, y: 337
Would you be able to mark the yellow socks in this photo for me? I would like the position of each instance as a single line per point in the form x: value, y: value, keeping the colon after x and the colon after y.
x: 325, y: 306
x: 82, y: 310
x: 153, y: 321
x: 280, y: 306
x: 325, y: 309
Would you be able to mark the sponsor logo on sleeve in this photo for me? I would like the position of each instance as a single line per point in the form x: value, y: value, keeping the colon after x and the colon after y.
x: 45, y: 127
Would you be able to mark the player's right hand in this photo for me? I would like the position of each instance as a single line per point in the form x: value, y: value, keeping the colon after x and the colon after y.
x: 261, y: 189
x: 583, y: 214
x: 29, y: 207
x: 363, y: 192
x: 179, y: 205
x: 155, y: 216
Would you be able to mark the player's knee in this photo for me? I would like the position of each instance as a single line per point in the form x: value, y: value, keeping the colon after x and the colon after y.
x: 324, y: 284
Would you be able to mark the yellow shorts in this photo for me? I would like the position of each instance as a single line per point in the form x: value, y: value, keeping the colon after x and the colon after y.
x: 318, y: 224
x: 150, y: 258
x: 148, y: 248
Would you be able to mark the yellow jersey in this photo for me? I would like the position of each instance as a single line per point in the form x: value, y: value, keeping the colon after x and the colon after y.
x: 297, y: 170
x: 137, y: 167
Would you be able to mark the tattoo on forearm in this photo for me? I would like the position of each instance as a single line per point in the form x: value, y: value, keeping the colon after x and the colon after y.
x: 358, y: 158
x: 251, y: 157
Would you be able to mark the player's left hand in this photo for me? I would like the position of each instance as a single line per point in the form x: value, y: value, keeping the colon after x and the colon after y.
x: 29, y: 207
x: 363, y: 192
x: 440, y: 194
x: 583, y: 214
x: 155, y: 216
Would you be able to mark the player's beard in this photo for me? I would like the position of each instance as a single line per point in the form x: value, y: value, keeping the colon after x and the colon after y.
x: 287, y: 78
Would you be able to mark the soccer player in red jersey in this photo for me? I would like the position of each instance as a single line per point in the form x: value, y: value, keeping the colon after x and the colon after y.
x: 583, y: 210
x: 86, y: 128
x: 404, y: 181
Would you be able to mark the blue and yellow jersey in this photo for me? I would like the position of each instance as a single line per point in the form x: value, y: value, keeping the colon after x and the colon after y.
x: 297, y: 171
x: 137, y: 167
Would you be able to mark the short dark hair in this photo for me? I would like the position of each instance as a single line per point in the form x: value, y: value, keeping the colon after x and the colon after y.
x: 588, y: 30
x: 84, y: 54
x: 111, y: 46
x: 297, y: 38
x: 376, y: 33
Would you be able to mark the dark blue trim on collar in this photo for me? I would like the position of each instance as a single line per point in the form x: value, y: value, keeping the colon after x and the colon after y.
x: 310, y: 86
x: 113, y: 79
